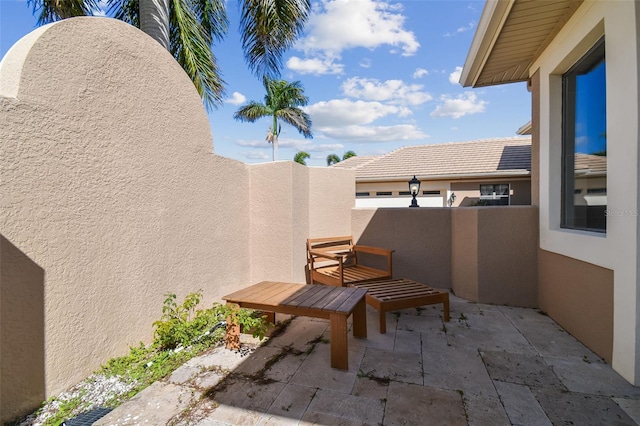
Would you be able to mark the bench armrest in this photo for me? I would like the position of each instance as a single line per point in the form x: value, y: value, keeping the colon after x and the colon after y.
x: 377, y: 251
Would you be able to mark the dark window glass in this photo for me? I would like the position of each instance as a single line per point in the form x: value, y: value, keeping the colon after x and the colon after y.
x: 430, y: 192
x: 383, y: 193
x: 584, y: 143
x: 362, y: 194
x: 494, y: 195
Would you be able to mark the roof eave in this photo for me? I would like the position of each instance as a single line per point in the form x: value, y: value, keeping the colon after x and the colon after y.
x: 494, y: 16
x: 456, y: 176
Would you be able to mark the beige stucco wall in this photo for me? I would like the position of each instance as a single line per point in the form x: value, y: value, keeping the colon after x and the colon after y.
x: 111, y: 196
x: 421, y: 239
x: 617, y: 250
x: 485, y: 254
x: 494, y: 255
x: 579, y: 297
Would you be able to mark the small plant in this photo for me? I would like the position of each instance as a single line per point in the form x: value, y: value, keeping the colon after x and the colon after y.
x: 463, y: 317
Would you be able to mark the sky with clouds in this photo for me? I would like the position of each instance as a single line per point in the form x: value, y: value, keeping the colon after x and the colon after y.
x: 379, y: 75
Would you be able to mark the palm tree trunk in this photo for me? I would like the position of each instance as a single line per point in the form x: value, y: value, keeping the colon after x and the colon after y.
x: 275, y: 138
x: 154, y: 20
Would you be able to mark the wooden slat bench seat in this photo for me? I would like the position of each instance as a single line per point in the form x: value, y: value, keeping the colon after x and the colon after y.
x: 390, y: 295
x: 318, y: 301
x: 337, y: 261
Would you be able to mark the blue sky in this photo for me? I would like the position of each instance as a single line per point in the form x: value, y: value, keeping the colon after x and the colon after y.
x: 379, y: 75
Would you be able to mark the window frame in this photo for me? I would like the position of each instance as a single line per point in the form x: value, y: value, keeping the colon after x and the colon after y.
x: 587, y: 62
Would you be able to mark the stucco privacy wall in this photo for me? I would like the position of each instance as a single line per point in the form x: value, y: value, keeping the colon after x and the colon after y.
x: 111, y: 196
x: 485, y: 254
x: 420, y: 237
x: 617, y: 250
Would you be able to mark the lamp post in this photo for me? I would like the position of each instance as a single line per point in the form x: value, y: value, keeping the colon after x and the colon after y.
x: 414, y: 188
x: 452, y: 199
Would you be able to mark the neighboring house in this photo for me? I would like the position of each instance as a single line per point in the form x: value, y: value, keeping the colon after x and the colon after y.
x: 480, y: 172
x: 581, y: 63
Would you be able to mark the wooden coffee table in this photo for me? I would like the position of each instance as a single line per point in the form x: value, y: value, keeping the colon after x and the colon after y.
x: 390, y: 295
x: 318, y: 301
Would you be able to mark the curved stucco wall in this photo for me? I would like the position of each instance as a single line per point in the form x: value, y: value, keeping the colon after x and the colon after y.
x: 108, y: 184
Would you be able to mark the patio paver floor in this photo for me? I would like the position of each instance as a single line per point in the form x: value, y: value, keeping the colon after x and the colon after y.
x: 489, y: 365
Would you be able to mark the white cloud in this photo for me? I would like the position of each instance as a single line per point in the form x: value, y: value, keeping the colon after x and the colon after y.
x: 395, y: 92
x: 454, y: 77
x: 337, y: 25
x: 464, y: 104
x: 257, y: 155
x: 471, y: 26
x: 316, y: 66
x: 344, y: 112
x: 400, y: 132
x: 252, y: 143
x: 420, y: 72
x: 365, y: 63
x: 236, y: 98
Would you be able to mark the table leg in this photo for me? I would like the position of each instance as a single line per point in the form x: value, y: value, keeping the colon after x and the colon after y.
x: 383, y: 321
x: 233, y: 332
x: 360, y: 319
x: 339, y: 347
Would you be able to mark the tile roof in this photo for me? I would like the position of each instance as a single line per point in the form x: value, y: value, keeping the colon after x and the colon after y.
x: 353, y: 162
x: 505, y: 156
x: 589, y: 164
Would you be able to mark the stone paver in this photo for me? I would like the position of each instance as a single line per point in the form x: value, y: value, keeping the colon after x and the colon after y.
x: 490, y: 365
x: 521, y: 405
x: 409, y: 404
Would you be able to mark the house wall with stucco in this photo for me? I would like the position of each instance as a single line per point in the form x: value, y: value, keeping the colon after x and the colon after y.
x: 589, y: 280
x: 111, y: 196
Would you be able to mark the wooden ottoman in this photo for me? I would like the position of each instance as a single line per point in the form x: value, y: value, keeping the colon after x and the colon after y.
x: 390, y: 295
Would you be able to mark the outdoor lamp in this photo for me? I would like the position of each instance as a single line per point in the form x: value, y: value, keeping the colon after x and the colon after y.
x: 414, y: 188
x: 452, y: 198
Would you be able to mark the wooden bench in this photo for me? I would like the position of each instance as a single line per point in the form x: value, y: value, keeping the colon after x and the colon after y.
x: 390, y: 295
x: 336, y: 261
x: 318, y: 301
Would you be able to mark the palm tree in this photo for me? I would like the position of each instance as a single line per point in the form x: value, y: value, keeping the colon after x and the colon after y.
x: 282, y: 102
x: 333, y: 158
x: 187, y: 28
x: 349, y: 154
x: 300, y: 157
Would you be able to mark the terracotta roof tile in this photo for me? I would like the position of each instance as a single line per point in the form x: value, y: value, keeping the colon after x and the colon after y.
x: 480, y: 157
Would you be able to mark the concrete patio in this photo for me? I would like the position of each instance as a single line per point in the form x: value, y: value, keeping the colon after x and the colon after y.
x: 490, y: 365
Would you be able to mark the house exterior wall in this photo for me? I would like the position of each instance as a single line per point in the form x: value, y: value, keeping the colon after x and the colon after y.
x: 397, y: 200
x: 111, y: 197
x: 469, y: 192
x: 578, y: 296
x: 617, y: 249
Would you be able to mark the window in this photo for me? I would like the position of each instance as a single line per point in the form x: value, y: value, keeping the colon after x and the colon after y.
x: 362, y: 194
x: 494, y: 195
x: 584, y: 143
x: 405, y: 193
x: 431, y: 192
x: 383, y: 193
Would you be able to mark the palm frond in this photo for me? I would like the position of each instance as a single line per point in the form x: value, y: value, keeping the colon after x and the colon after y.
x: 54, y: 10
x: 125, y: 10
x: 269, y: 28
x: 298, y: 119
x: 252, y: 112
x: 191, y: 47
x: 212, y: 15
